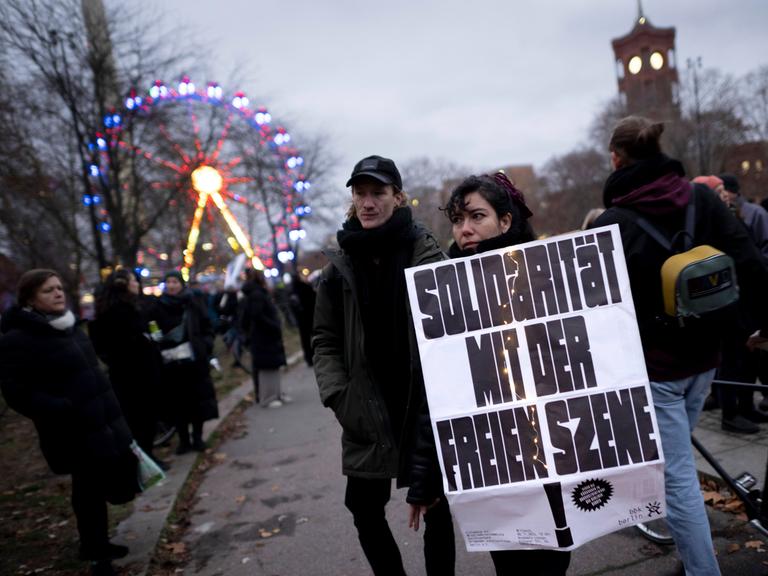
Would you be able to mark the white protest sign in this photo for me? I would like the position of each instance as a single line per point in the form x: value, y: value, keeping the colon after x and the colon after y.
x: 540, y: 402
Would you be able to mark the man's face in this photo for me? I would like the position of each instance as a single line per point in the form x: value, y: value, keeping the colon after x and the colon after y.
x: 726, y: 196
x: 374, y: 201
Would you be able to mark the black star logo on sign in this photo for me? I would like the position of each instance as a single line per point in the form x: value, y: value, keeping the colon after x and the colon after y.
x: 654, y: 509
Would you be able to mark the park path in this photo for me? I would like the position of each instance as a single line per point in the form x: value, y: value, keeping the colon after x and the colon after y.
x: 273, y: 506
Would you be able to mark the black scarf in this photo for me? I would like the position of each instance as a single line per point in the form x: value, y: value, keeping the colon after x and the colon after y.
x: 379, y: 257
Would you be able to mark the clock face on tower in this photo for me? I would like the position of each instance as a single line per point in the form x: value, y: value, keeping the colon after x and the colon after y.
x: 635, y: 64
x: 657, y: 61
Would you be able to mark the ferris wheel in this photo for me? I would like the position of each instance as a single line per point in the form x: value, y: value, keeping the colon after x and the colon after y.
x: 220, y: 158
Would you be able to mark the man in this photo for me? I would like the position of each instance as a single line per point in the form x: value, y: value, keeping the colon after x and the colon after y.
x: 366, y: 362
x: 754, y: 216
x: 740, y: 364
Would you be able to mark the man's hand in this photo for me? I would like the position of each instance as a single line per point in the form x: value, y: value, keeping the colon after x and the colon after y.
x: 756, y: 342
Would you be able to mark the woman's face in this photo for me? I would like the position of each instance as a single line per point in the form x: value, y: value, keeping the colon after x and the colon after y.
x: 173, y: 286
x: 478, y: 221
x: 133, y: 285
x: 49, y: 298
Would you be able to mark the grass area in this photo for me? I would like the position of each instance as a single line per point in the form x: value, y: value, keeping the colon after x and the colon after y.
x: 38, y: 532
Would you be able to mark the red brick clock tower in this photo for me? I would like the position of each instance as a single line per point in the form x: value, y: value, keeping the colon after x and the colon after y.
x: 646, y: 68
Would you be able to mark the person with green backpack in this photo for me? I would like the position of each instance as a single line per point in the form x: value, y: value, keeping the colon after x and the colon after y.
x: 682, y: 312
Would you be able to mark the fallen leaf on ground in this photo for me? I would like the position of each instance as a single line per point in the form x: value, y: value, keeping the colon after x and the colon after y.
x: 177, y: 547
x: 713, y: 496
x: 754, y: 544
x: 240, y: 499
x: 733, y: 547
x: 219, y: 456
x: 733, y: 505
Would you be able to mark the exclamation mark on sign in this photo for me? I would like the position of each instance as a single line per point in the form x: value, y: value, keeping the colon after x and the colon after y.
x: 555, y: 497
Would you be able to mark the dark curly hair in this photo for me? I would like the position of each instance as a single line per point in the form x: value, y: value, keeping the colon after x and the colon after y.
x: 501, y: 199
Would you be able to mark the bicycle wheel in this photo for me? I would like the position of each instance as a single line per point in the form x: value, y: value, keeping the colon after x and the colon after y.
x: 163, y: 434
x: 656, y: 531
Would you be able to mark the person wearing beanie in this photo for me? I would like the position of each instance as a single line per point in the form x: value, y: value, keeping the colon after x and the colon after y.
x: 740, y: 364
x: 754, y: 216
x: 367, y: 365
x: 712, y: 182
x: 186, y: 346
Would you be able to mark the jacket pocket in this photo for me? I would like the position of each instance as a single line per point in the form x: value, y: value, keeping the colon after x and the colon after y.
x: 351, y: 413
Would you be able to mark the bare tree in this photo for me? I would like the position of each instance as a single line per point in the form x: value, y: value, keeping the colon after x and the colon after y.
x: 428, y: 182
x: 73, y: 60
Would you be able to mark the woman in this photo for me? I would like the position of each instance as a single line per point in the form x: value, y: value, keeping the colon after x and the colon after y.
x: 260, y: 324
x: 119, y: 334
x: 680, y: 357
x: 49, y: 372
x: 186, y: 346
x: 488, y: 213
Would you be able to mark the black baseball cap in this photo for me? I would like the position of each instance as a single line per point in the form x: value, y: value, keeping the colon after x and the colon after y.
x: 382, y: 169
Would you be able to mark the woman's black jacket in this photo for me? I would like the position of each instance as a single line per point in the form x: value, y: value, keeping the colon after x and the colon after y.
x: 53, y: 377
x: 134, y: 362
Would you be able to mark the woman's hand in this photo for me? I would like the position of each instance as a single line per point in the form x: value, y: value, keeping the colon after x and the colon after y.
x: 416, y: 512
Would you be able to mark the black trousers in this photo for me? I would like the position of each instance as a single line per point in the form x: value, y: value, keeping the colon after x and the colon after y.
x: 531, y: 562
x: 739, y: 364
x: 366, y: 499
x: 90, y: 505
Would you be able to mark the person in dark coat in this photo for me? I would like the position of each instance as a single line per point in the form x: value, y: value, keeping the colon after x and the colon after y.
x: 49, y: 373
x: 186, y: 346
x: 680, y: 359
x: 120, y: 336
x: 260, y: 324
x: 367, y: 364
x: 303, y: 305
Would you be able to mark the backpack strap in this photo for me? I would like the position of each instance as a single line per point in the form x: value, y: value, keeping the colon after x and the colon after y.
x: 656, y: 234
x: 690, y: 220
x: 649, y: 228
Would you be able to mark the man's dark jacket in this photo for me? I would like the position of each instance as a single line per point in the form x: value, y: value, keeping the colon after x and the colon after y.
x: 369, y: 449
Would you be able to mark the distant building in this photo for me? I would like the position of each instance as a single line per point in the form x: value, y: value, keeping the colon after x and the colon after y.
x: 646, y: 69
x: 523, y: 177
x: 749, y: 163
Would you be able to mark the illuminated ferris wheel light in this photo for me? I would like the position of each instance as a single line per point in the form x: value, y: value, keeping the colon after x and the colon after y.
x: 207, y: 180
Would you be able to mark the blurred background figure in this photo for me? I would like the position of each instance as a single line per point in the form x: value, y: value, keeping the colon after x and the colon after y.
x: 186, y: 346
x: 260, y: 325
x: 303, y: 305
x: 49, y: 373
x: 120, y: 335
x: 590, y: 217
x: 739, y: 364
x: 754, y: 216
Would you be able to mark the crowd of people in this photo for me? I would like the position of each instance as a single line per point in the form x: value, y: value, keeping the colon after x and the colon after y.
x: 157, y: 352
x: 357, y: 334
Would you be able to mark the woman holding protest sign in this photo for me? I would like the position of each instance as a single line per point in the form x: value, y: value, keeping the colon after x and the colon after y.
x: 487, y: 213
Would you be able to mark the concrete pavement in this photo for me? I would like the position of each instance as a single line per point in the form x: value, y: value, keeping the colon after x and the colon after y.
x: 274, y: 506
